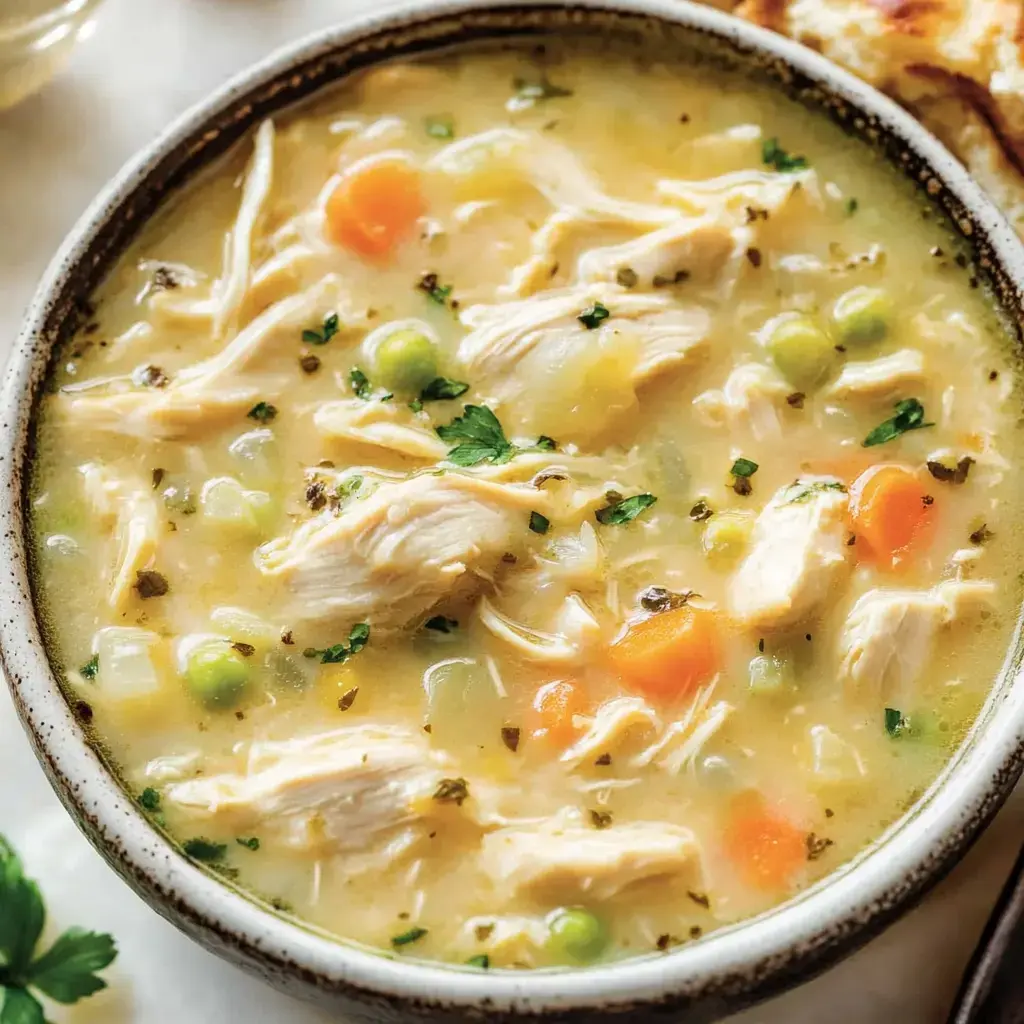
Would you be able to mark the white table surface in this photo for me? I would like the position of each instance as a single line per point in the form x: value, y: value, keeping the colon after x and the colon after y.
x: 147, y: 61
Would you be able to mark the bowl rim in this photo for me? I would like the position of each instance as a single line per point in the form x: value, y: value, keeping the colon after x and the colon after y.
x: 732, y: 966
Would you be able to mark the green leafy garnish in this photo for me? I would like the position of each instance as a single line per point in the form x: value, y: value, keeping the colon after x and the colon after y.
x: 744, y: 467
x: 262, y: 412
x: 149, y: 799
x: 538, y: 523
x: 412, y: 935
x: 250, y: 843
x: 362, y: 388
x: 775, y: 156
x: 439, y: 127
x: 206, y: 850
x: 530, y: 92
x: 441, y: 624
x: 66, y: 972
x: 482, y: 439
x: 799, y: 492
x: 358, y: 638
x: 618, y: 513
x: 481, y: 960
x: 593, y: 316
x: 431, y: 285
x: 851, y: 206
x: 90, y: 668
x: 443, y: 389
x: 324, y: 335
x: 895, y: 722
x: 909, y: 416
x: 348, y: 488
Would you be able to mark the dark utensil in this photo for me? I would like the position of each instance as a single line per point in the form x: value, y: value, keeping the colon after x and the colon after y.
x: 992, y: 990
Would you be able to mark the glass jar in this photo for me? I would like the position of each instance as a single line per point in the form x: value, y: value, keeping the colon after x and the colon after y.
x: 36, y: 39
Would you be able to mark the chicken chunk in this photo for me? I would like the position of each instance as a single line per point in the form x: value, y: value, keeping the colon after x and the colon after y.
x: 393, y: 555
x: 613, y: 722
x: 344, y: 789
x: 799, y: 555
x: 380, y: 424
x: 575, y: 862
x: 890, y: 635
x: 751, y: 397
x: 880, y: 378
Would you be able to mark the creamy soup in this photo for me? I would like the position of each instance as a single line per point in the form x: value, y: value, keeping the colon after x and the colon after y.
x: 533, y: 507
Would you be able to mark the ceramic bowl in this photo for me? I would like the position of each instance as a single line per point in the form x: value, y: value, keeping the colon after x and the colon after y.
x: 725, y: 970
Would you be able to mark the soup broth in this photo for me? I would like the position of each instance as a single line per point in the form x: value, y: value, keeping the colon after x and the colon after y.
x: 533, y: 507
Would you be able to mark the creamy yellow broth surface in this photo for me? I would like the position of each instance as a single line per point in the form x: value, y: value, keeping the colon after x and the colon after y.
x: 533, y: 507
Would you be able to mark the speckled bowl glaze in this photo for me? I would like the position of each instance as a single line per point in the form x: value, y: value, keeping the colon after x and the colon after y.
x: 697, y: 982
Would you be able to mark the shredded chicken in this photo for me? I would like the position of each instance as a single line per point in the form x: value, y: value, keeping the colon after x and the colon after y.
x: 880, y: 378
x: 683, y: 741
x: 613, y: 722
x: 751, y: 396
x: 389, y: 425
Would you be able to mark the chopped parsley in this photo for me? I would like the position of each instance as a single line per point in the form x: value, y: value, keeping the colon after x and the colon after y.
x: 626, y: 277
x: 851, y: 206
x: 149, y: 583
x: 66, y: 972
x: 539, y: 524
x: 441, y: 127
x: 244, y: 649
x: 150, y: 377
x: 431, y: 285
x: 250, y: 843
x: 443, y: 389
x: 600, y: 819
x: 90, y: 668
x: 481, y: 438
x: 149, y: 799
x: 982, y: 535
x: 593, y: 316
x: 896, y: 722
x: 329, y: 329
x: 618, y: 513
x: 700, y: 898
x: 406, y: 938
x: 205, y: 850
x: 816, y: 845
x: 701, y: 511
x: 660, y: 599
x: 348, y: 488
x: 348, y: 698
x: 481, y: 960
x: 742, y: 470
x: 797, y: 493
x: 510, y: 736
x: 358, y: 638
x: 441, y: 624
x: 362, y: 388
x: 773, y: 155
x: 530, y: 92
x: 452, y: 791
x: 909, y: 416
x: 796, y: 400
x: 956, y: 475
x: 262, y: 412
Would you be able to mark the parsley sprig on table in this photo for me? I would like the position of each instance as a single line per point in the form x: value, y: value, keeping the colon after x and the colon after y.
x: 66, y: 972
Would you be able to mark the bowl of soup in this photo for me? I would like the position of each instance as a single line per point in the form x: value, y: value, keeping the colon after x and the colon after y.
x: 513, y: 509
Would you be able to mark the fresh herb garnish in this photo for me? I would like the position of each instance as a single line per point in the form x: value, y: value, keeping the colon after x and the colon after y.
x: 816, y: 845
x: 66, y: 972
x: 510, y: 736
x: 412, y: 935
x: 593, y: 316
x: 362, y: 388
x: 348, y: 488
x: 528, y: 92
x: 149, y: 799
x: 439, y: 127
x: 775, y: 156
x: 149, y: 583
x: 909, y: 416
x: 539, y: 524
x: 483, y: 439
x: 431, y: 285
x: 618, y: 513
x: 701, y: 511
x: 90, y: 668
x: 667, y: 280
x: 851, y: 206
x: 452, y: 791
x: 244, y: 649
x: 150, y: 377
x: 700, y: 898
x: 441, y: 623
x: 481, y: 960
x: 443, y: 389
x: 626, y: 277
x: 348, y: 698
x: 742, y: 470
x: 797, y: 493
x: 600, y: 819
x: 204, y: 849
x: 358, y: 638
x: 895, y: 722
x: 796, y: 400
x: 250, y: 843
x: 262, y: 412
x: 309, y: 363
x: 956, y: 475
x: 660, y: 599
x: 327, y: 331
x: 982, y: 535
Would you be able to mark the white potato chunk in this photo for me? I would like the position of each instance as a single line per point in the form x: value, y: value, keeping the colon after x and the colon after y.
x: 127, y: 666
x: 798, y: 556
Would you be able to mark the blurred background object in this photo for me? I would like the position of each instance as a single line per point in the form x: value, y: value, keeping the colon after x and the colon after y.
x: 36, y: 38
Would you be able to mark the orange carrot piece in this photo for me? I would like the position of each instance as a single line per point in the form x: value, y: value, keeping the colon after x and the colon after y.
x: 767, y: 849
x: 893, y: 514
x: 554, y: 706
x: 670, y: 654
x: 375, y: 207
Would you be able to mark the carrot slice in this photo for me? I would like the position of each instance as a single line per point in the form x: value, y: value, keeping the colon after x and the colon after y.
x: 670, y: 654
x: 375, y: 206
x: 767, y: 849
x: 554, y: 706
x: 893, y: 514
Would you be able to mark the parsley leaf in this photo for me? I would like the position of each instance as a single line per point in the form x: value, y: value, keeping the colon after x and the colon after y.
x: 529, y: 93
x: 744, y: 467
x: 358, y: 638
x: 19, y: 1007
x: 412, y: 935
x: 21, y: 913
x: 362, y: 388
x: 798, y: 492
x: 149, y: 799
x: 909, y: 416
x: 481, y: 960
x: 324, y: 335
x: 539, y: 524
x: 431, y: 285
x: 250, y: 843
x: 618, y: 513
x: 90, y: 668
x: 67, y: 971
x: 204, y: 849
x: 439, y: 127
x: 262, y: 412
x: 480, y: 435
x: 775, y: 156
x: 593, y: 315
x: 895, y: 722
x: 441, y: 624
x: 851, y: 206
x: 442, y: 389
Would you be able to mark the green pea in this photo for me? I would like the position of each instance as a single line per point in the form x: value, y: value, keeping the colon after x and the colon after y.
x: 801, y: 350
x: 575, y: 934
x: 217, y: 674
x: 406, y: 361
x: 768, y: 674
x: 862, y: 316
x: 726, y: 536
